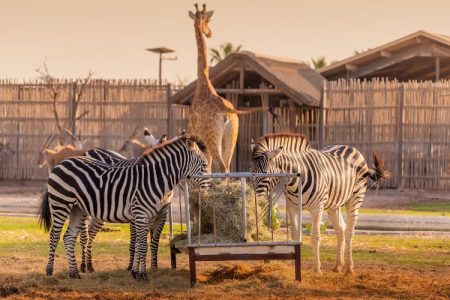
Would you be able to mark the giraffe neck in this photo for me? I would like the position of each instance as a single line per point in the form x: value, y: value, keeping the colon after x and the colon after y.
x: 204, y: 86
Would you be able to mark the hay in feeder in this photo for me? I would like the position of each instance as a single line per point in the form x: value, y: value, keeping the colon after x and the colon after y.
x: 221, y: 209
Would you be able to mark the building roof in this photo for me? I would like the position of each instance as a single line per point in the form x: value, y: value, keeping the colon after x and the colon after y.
x: 410, y: 57
x: 291, y: 77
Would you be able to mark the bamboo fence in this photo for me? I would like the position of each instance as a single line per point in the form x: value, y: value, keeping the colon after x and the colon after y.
x: 408, y: 124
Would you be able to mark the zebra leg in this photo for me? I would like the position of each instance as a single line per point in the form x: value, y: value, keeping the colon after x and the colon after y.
x: 335, y: 217
x: 316, y: 217
x: 291, y: 209
x: 139, y: 270
x: 132, y: 244
x: 77, y: 217
x: 94, y: 228
x: 352, y: 217
x: 59, y: 215
x: 156, y: 230
x: 83, y: 242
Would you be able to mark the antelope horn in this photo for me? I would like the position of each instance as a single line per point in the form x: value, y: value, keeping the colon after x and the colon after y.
x: 196, y: 7
x: 204, y: 6
x: 134, y: 132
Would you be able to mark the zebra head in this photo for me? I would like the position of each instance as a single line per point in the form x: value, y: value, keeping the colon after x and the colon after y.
x: 264, y: 162
x: 198, y: 162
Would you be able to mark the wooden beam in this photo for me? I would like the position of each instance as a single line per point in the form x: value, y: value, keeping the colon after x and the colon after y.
x: 241, y: 77
x: 421, y: 50
x: 351, y: 67
x: 385, y: 54
x: 420, y: 40
x: 250, y: 91
x: 440, y: 51
x: 438, y: 69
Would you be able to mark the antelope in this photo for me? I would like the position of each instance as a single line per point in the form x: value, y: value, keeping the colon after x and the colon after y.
x: 53, y: 157
x: 135, y: 147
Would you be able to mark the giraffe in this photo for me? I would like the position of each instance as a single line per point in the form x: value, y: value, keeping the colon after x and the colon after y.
x: 213, y: 118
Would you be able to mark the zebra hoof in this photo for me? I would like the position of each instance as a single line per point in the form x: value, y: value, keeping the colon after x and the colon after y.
x: 83, y: 268
x: 130, y: 267
x: 75, y: 275
x: 337, y: 269
x: 143, y: 276
x: 135, y: 275
x: 90, y: 269
x: 49, y: 272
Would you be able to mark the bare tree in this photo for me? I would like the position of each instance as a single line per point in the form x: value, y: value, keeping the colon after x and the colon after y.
x: 79, y: 86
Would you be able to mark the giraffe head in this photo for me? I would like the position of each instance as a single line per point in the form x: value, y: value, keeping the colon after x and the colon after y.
x: 201, y: 19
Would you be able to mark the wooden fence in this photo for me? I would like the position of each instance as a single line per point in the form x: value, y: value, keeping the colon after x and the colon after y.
x: 116, y: 108
x: 406, y: 123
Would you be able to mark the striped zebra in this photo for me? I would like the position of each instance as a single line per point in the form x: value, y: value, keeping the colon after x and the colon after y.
x: 82, y: 186
x: 89, y: 230
x: 332, y: 178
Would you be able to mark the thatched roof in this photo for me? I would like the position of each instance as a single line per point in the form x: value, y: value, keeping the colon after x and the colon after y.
x: 410, y: 57
x: 291, y: 77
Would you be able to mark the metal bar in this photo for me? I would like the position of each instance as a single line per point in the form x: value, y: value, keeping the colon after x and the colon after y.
x: 248, y: 256
x: 250, y: 244
x: 186, y: 209
x: 256, y: 216
x: 170, y: 222
x: 244, y: 208
x: 243, y: 174
x: 199, y: 216
x: 299, y: 207
x: 181, y: 212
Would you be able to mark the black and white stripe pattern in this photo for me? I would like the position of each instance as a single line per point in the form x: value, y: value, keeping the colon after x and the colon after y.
x: 332, y: 178
x: 118, y: 194
x: 88, y: 233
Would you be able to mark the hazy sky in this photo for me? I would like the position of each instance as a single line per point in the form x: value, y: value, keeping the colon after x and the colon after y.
x: 109, y: 36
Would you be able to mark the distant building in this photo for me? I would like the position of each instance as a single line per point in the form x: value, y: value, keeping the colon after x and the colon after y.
x: 418, y: 56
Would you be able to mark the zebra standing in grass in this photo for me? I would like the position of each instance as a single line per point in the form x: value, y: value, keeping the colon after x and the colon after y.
x: 89, y: 230
x: 332, y: 178
x: 82, y: 186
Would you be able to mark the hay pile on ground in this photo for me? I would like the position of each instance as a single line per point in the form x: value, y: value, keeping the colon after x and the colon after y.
x: 223, y: 204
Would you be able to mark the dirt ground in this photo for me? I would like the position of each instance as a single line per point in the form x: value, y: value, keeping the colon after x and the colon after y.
x: 272, y: 280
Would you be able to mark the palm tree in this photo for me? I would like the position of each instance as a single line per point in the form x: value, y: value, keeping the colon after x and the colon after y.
x: 320, y: 62
x: 224, y: 50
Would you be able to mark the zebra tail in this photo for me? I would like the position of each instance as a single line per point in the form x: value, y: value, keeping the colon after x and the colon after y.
x: 378, y: 172
x: 45, y: 215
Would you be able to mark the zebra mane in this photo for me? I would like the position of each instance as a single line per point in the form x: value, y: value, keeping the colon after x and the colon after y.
x: 289, y: 141
x: 182, y: 137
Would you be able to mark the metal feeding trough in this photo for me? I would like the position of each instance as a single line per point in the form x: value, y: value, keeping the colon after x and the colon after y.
x: 199, y: 250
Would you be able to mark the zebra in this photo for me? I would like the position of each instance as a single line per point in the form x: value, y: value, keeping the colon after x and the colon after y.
x: 332, y: 178
x: 89, y: 230
x: 82, y: 186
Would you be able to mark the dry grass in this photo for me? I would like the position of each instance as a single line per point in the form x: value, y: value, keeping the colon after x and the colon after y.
x: 386, y: 268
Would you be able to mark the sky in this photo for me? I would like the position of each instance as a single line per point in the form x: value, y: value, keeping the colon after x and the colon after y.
x: 109, y: 37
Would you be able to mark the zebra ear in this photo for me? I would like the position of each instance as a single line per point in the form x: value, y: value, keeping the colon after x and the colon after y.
x: 273, y: 154
x: 190, y: 144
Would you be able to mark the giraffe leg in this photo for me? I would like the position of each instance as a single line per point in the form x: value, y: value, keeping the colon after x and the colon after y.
x: 229, y: 140
x: 77, y: 216
x: 335, y: 217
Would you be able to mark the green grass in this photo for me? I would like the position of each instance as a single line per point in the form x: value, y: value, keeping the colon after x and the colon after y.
x: 406, y: 212
x: 23, y: 235
x: 440, y: 207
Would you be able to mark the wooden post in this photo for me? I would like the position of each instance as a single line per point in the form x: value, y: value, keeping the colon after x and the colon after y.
x: 298, y: 263
x: 438, y: 69
x: 322, y: 116
x: 192, y: 270
x: 265, y: 122
x: 169, y: 112
x: 400, y: 136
